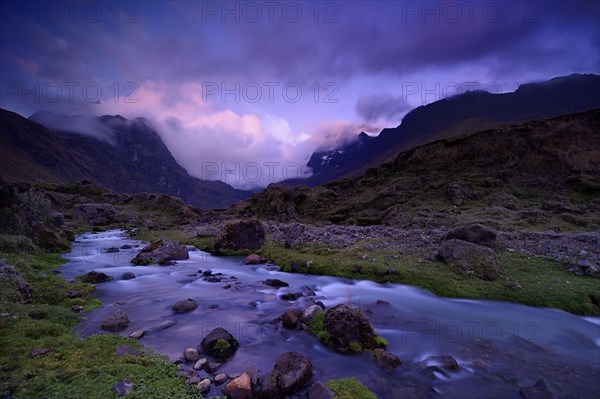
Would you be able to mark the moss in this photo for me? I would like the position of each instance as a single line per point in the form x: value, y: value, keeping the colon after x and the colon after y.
x: 355, y: 347
x: 350, y: 388
x: 222, y: 346
x: 381, y: 342
x: 73, y: 367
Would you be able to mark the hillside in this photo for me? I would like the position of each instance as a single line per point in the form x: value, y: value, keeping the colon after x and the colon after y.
x: 466, y: 113
x: 137, y: 160
x: 540, y: 174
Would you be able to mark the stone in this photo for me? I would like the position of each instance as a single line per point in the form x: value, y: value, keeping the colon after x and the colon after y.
x: 239, y: 388
x: 310, y: 312
x: 112, y: 250
x: 241, y: 235
x: 318, y: 390
x: 200, y: 364
x: 203, y: 386
x: 275, y: 283
x: 163, y: 326
x: 291, y: 317
x: 458, y: 193
x: 538, y: 391
x: 35, y: 352
x: 291, y: 296
x: 185, y: 306
x: 190, y: 354
x: 254, y: 259
x: 470, y: 259
x: 128, y: 276
x: 475, y: 233
x: 219, y: 343
x: 163, y: 252
x: 291, y: 372
x: 386, y: 360
x: 116, y: 321
x: 347, y: 327
x: 126, y: 350
x: 293, y: 235
x: 220, y: 378
x: 94, y: 277
x: 95, y: 214
x: 137, y: 334
x: 17, y: 283
x: 123, y: 388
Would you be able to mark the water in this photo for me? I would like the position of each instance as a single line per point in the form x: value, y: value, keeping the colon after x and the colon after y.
x: 500, y: 347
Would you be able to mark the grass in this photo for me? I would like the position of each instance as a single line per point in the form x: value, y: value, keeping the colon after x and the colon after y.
x: 350, y: 388
x: 544, y: 282
x: 73, y: 367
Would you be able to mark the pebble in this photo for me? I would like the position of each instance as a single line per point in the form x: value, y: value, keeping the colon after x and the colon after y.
x: 137, y: 334
x: 200, y: 364
x: 204, y: 386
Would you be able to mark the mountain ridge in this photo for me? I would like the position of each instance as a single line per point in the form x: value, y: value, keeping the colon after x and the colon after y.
x: 134, y: 159
x: 464, y: 113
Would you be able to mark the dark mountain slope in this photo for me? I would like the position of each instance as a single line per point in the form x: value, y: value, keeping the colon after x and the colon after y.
x: 466, y: 113
x: 137, y: 162
x: 521, y: 175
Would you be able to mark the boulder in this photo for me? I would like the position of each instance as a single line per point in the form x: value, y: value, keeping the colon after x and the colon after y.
x: 219, y: 343
x: 291, y: 372
x: 185, y: 306
x: 254, y: 259
x: 584, y: 268
x: 241, y: 235
x: 275, y: 283
x: 128, y: 276
x: 475, y: 233
x: 347, y: 327
x: 204, y: 386
x: 470, y: 259
x: 22, y: 291
x: 309, y: 313
x: 293, y: 235
x: 458, y: 193
x: 318, y: 390
x: 94, y: 277
x: 95, y: 214
x: 291, y: 296
x: 239, y: 388
x: 190, y: 354
x: 538, y: 391
x: 116, y: 321
x: 163, y: 252
x: 386, y: 360
x: 291, y: 317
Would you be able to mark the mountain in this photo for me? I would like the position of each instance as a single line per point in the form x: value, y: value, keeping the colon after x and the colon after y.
x: 540, y: 174
x: 126, y: 156
x: 466, y: 113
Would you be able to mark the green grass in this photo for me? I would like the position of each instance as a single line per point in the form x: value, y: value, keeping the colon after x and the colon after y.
x: 350, y: 388
x: 538, y: 276
x: 74, y: 367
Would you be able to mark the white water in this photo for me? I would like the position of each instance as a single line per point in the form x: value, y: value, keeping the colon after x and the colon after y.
x: 499, y: 346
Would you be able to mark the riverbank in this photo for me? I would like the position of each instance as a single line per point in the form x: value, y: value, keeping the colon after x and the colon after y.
x: 537, y: 268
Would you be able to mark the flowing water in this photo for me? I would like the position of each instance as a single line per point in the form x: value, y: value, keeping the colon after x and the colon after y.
x: 500, y: 347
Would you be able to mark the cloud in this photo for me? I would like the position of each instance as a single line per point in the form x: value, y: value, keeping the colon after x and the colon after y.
x: 382, y: 107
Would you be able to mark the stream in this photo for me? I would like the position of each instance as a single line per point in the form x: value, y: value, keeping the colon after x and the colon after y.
x: 500, y: 347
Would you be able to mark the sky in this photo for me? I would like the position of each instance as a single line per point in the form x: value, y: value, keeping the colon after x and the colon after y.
x: 245, y: 91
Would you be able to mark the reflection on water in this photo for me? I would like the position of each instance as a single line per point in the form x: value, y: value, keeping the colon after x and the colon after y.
x: 499, y: 346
